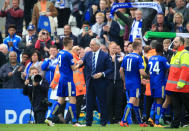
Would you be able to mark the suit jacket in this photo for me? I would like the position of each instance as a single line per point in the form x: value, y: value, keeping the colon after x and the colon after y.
x: 103, y: 64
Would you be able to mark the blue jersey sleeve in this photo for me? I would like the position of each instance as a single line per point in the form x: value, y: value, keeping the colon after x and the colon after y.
x: 71, y: 61
x: 166, y: 63
x: 123, y: 63
x: 141, y: 63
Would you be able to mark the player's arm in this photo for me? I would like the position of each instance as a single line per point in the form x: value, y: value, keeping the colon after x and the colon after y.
x: 144, y: 74
x: 122, y: 74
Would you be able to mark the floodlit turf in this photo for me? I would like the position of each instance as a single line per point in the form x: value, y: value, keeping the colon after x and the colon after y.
x: 66, y: 127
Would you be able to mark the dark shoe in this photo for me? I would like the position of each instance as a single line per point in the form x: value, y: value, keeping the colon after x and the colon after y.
x: 170, y: 127
x: 88, y: 124
x: 103, y: 125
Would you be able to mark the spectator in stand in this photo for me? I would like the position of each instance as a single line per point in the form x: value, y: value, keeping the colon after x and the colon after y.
x: 67, y: 33
x: 28, y: 42
x: 35, y: 61
x: 187, y: 27
x: 49, y: 64
x: 1, y: 38
x: 85, y: 37
x: 110, y: 30
x: 5, y: 51
x: 43, y: 43
x: 97, y: 27
x: 63, y: 8
x: 43, y: 7
x: 180, y: 7
x: 119, y: 52
x: 13, y: 40
x: 177, y: 25
x: 160, y: 25
x: 28, y: 6
x: 25, y: 59
x: 167, y: 52
x: 102, y: 7
x: 138, y: 26
x: 129, y: 48
x: 10, y: 73
x: 104, y: 48
x: 14, y: 15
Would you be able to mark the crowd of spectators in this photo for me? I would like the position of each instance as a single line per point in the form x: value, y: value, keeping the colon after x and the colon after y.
x: 39, y: 48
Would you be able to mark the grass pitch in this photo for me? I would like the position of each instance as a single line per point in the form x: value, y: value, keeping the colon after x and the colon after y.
x: 69, y: 127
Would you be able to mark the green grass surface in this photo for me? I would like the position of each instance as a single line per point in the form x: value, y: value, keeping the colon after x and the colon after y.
x: 66, y: 127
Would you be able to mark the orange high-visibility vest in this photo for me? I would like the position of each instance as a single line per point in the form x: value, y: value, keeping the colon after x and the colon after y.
x: 56, y: 78
x: 179, y: 72
x: 79, y: 80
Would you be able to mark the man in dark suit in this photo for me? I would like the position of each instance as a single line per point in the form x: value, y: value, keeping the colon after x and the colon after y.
x: 98, y: 66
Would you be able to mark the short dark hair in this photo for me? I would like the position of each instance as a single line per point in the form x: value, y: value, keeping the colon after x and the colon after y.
x: 38, y: 54
x: 53, y: 46
x: 12, y: 26
x: 154, y: 43
x: 86, y: 23
x: 159, y: 48
x: 66, y: 40
x: 136, y: 44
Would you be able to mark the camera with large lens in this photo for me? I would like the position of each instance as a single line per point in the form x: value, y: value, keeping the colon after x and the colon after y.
x: 46, y: 102
x: 36, y: 78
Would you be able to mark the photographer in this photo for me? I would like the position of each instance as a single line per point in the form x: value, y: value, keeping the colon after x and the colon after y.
x: 37, y: 89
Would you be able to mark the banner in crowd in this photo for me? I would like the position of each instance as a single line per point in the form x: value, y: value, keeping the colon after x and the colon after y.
x: 154, y: 5
x: 151, y: 34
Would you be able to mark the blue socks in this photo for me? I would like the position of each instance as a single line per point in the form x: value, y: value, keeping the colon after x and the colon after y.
x: 158, y: 113
x: 152, y: 112
x: 72, y: 109
x: 127, y: 113
x: 54, y: 109
x: 137, y: 114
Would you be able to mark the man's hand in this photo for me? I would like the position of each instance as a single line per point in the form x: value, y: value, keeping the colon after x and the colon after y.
x: 10, y: 74
x: 98, y: 75
x: 51, y: 57
x: 20, y: 69
x: 95, y: 8
x: 26, y: 82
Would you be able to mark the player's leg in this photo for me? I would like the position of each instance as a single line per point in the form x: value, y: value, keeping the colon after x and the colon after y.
x: 72, y: 108
x: 159, y: 95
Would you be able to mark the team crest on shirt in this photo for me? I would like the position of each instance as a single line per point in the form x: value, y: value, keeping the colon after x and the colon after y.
x: 46, y: 23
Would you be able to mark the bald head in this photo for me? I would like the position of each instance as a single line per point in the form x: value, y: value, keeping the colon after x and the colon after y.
x: 76, y: 50
x: 4, y: 49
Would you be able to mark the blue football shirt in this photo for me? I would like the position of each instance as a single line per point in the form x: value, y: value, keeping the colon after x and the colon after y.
x: 132, y: 63
x: 65, y: 61
x: 157, y: 66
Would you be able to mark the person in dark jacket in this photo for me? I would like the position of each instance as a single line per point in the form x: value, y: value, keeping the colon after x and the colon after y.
x: 10, y: 73
x: 143, y: 24
x: 28, y: 42
x: 37, y: 91
x: 110, y: 30
x: 85, y: 37
x: 115, y: 87
x: 14, y: 15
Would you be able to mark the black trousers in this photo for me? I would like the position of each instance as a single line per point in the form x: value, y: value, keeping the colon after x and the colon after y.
x: 39, y: 116
x: 63, y: 17
x: 149, y: 102
x: 114, y: 100
x: 99, y: 90
x: 79, y: 101
x: 178, y: 99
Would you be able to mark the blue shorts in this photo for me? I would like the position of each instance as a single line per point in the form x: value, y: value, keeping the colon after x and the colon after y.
x: 66, y: 88
x: 133, y: 92
x: 158, y: 92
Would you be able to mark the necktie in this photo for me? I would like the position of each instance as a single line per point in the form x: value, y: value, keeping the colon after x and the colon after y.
x: 93, y: 64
